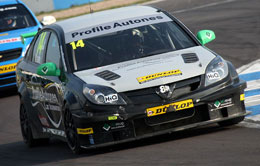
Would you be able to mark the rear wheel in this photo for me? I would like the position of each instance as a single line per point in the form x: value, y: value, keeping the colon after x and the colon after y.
x: 26, y: 128
x: 71, y: 133
x: 27, y: 131
x: 231, y: 121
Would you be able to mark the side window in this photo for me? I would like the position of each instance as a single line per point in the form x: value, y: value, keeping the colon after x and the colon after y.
x: 53, y: 50
x: 39, y: 47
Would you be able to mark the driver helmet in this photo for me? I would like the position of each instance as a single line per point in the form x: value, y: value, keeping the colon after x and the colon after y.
x: 138, y: 41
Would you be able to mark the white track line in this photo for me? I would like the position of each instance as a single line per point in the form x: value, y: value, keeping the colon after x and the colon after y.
x: 155, y: 1
x: 253, y: 85
x: 254, y: 118
x: 204, y: 6
x: 252, y: 100
x: 249, y: 125
x: 249, y: 68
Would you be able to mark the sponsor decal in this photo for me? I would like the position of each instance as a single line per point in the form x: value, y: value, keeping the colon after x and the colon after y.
x: 45, y: 69
x: 112, y: 118
x: 52, y: 107
x: 165, y: 91
x: 111, y: 27
x: 164, y: 88
x: 4, y: 34
x: 114, y: 126
x: 79, y: 43
x: 106, y: 127
x: 8, y: 8
x: 8, y: 68
x: 208, y: 35
x: 91, y: 140
x: 11, y: 40
x: 44, y: 96
x: 118, y: 125
x: 155, y: 76
x: 48, y: 101
x: 54, y: 131
x: 44, y: 121
x: 213, y: 76
x: 85, y: 131
x: 222, y: 103
x: 242, y: 97
x: 177, y: 106
x: 111, y: 98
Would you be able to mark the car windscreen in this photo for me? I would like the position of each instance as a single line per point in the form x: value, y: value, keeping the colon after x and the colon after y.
x: 127, y: 45
x: 15, y: 17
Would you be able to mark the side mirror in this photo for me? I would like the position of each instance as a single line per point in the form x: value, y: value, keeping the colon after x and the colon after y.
x: 48, y: 69
x: 27, y: 35
x: 206, y: 36
x: 47, y: 20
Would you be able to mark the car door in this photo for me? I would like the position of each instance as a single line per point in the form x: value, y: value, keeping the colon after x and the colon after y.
x: 32, y: 95
x: 52, y: 90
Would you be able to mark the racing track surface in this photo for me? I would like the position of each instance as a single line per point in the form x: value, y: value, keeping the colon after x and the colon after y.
x: 237, y: 26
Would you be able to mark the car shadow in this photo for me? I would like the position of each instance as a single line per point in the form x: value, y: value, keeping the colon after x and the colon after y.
x: 18, y: 153
x: 8, y: 92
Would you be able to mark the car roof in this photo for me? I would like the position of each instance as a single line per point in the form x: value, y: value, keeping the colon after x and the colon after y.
x: 8, y: 2
x: 93, y: 19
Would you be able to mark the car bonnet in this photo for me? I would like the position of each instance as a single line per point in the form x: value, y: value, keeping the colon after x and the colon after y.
x: 150, y: 71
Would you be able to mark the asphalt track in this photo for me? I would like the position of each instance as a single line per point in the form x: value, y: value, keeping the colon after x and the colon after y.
x: 237, y: 26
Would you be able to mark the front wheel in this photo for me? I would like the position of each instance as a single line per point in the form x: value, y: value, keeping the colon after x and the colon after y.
x: 71, y: 133
x: 231, y: 121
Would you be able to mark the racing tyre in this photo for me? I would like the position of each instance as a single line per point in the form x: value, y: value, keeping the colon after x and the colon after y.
x: 231, y: 121
x: 71, y: 133
x: 26, y: 128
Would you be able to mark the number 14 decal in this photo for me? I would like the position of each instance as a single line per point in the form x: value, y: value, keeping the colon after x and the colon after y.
x: 79, y: 43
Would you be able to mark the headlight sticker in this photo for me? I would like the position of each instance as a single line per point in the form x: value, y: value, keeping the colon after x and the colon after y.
x: 177, y: 106
x: 111, y: 98
x: 155, y: 76
x: 213, y: 76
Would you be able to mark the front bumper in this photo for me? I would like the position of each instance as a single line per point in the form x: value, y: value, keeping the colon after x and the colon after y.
x: 132, y: 122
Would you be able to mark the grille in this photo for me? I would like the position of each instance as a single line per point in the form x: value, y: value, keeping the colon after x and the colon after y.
x: 7, y: 80
x: 10, y: 54
x: 190, y: 58
x: 108, y: 75
x: 143, y: 126
x: 3, y: 76
x: 149, y: 95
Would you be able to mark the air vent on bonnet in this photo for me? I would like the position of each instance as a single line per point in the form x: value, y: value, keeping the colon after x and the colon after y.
x: 190, y: 57
x: 108, y: 75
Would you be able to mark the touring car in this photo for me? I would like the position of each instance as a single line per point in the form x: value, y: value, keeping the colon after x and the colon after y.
x: 123, y: 74
x: 15, y: 20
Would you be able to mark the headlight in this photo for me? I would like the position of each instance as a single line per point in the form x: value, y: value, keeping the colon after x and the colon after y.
x: 102, y: 95
x: 216, y: 70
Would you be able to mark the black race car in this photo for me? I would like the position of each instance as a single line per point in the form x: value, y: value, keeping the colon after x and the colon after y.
x: 121, y: 75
